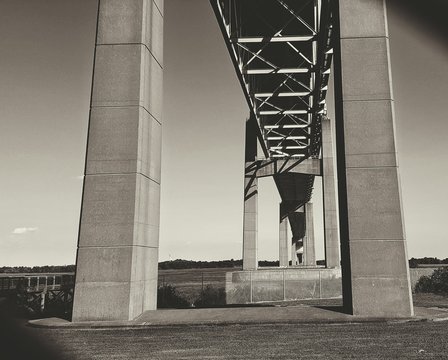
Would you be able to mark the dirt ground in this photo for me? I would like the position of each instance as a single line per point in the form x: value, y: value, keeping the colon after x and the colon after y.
x: 418, y: 340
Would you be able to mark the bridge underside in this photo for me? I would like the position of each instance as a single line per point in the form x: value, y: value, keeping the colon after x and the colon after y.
x: 282, y: 55
x: 282, y: 51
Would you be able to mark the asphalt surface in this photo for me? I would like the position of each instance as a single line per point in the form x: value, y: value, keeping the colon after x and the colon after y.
x: 410, y: 340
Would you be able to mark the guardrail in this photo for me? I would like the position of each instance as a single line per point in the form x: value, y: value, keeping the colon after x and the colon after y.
x: 39, y: 293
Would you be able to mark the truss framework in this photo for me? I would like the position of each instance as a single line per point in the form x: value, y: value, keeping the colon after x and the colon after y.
x: 282, y: 52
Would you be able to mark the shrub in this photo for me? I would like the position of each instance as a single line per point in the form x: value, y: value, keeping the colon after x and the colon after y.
x: 437, y: 283
x: 211, y: 297
x: 424, y: 285
x: 168, y: 297
x: 440, y: 281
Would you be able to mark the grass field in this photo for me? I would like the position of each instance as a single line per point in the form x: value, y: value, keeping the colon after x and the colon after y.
x: 189, y: 282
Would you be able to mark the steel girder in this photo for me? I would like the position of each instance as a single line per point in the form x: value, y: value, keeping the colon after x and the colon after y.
x: 282, y: 54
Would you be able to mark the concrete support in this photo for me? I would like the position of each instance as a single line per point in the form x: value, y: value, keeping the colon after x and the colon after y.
x: 117, y: 258
x: 373, y: 247
x: 331, y: 230
x: 250, y: 221
x: 294, y: 259
x: 309, y: 252
x: 284, y: 241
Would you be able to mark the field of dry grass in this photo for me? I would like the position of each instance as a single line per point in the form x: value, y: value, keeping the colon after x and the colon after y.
x: 189, y: 282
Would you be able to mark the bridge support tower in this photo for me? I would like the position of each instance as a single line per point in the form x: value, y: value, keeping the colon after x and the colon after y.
x: 250, y: 220
x: 117, y: 256
x: 284, y: 240
x: 331, y: 230
x: 309, y: 252
x: 373, y: 247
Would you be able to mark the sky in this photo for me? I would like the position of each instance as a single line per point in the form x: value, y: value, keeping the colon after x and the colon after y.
x: 46, y: 54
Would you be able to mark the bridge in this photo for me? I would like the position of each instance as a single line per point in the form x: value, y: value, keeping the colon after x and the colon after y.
x: 283, y: 52
x: 40, y: 292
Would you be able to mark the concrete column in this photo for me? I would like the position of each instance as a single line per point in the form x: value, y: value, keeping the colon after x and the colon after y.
x: 309, y: 253
x: 117, y: 259
x: 331, y: 230
x: 250, y: 221
x: 373, y: 247
x: 283, y: 241
x: 294, y: 261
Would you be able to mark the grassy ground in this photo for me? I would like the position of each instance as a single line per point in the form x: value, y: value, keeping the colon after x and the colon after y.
x: 430, y: 300
x: 189, y: 282
x: 349, y: 341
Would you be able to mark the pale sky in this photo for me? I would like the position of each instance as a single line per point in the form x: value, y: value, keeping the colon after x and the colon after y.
x: 46, y: 52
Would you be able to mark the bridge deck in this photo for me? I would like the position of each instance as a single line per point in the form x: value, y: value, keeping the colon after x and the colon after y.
x: 282, y: 53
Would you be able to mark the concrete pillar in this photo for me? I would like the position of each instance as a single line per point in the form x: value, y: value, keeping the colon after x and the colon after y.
x: 309, y: 253
x: 283, y: 241
x: 250, y: 221
x: 294, y: 261
x: 373, y: 247
x: 299, y: 252
x: 331, y: 230
x: 117, y: 259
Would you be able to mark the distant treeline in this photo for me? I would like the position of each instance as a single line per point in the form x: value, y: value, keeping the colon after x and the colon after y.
x: 413, y: 263
x: 190, y: 264
x: 37, y: 269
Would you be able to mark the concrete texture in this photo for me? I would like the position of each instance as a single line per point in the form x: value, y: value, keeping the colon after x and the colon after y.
x: 284, y: 241
x: 268, y: 315
x: 331, y: 230
x: 119, y: 229
x: 127, y: 139
x: 309, y: 249
x: 132, y: 22
x: 374, y: 256
x: 250, y: 220
x: 244, y: 287
x: 294, y: 259
x: 263, y: 285
x: 250, y: 225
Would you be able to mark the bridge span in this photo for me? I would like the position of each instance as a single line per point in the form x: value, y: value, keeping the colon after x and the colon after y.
x: 284, y: 53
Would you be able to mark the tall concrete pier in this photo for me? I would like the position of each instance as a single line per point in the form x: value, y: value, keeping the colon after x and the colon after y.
x: 284, y: 240
x: 331, y: 229
x: 374, y: 258
x: 117, y: 255
x: 309, y: 250
x: 294, y: 260
x: 250, y: 220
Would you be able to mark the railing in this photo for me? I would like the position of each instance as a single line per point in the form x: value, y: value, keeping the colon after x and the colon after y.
x: 40, y: 293
x: 35, y: 282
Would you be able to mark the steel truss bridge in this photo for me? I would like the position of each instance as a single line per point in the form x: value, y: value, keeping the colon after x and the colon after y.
x: 282, y: 52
